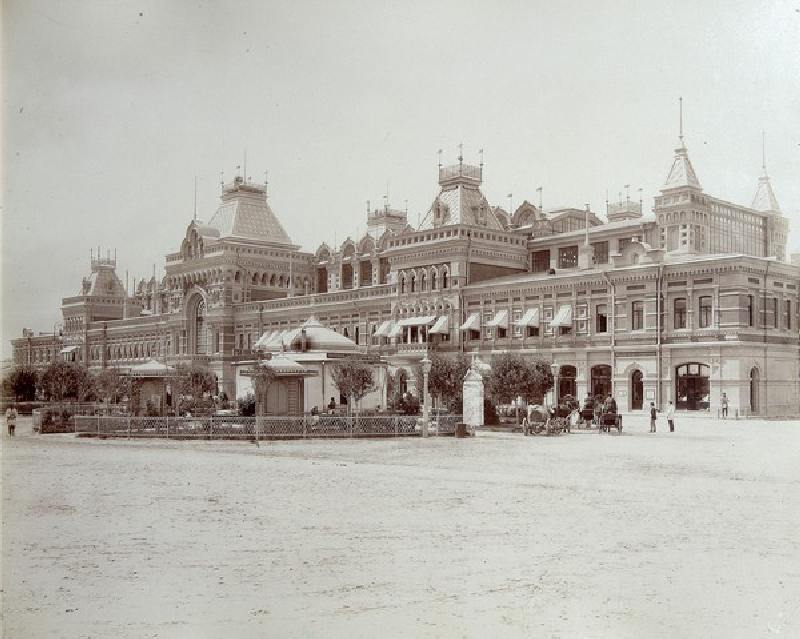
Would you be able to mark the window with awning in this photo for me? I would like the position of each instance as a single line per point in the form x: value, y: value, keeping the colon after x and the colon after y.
x: 499, y: 320
x: 563, y: 317
x: 69, y: 349
x: 473, y: 323
x: 383, y: 329
x: 442, y: 326
x: 395, y: 331
x: 530, y: 318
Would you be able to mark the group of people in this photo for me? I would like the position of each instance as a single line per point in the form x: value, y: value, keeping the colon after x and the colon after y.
x: 670, y: 416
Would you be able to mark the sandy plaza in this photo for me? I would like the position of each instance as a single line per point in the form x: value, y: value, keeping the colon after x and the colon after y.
x: 685, y: 534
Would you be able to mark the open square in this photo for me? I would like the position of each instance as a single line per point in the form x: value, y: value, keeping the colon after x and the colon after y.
x: 689, y: 534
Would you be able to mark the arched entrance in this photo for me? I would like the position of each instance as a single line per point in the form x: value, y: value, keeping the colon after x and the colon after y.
x: 197, y: 323
x: 692, y: 386
x: 637, y: 390
x: 601, y: 380
x: 566, y: 381
x: 755, y: 378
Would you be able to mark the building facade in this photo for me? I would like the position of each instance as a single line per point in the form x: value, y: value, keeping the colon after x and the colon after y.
x: 693, y: 301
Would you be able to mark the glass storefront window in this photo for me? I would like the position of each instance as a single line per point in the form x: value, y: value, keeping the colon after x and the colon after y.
x: 692, y: 387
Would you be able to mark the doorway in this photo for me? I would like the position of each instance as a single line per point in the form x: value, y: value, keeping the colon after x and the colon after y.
x: 755, y: 378
x: 637, y: 390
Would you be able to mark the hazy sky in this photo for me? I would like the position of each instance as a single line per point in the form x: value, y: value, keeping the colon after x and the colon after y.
x: 111, y: 108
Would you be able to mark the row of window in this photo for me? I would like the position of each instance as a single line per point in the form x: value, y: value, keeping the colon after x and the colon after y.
x: 568, y: 255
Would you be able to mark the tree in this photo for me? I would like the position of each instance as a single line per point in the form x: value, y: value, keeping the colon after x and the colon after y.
x: 21, y: 384
x: 67, y: 380
x: 193, y: 380
x: 113, y: 386
x: 446, y: 379
x: 512, y: 376
x: 353, y: 378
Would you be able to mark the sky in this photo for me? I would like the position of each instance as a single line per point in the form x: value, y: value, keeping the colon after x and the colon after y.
x: 111, y: 109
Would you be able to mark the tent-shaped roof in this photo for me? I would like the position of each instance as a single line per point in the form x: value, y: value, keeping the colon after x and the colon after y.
x: 764, y: 199
x: 317, y: 338
x: 682, y: 172
x: 151, y: 368
x: 244, y: 213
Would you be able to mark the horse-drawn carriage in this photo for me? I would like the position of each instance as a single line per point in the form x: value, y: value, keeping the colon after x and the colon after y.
x: 608, y: 420
x: 543, y: 421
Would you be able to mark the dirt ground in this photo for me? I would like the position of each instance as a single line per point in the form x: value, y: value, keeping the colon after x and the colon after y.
x: 689, y: 534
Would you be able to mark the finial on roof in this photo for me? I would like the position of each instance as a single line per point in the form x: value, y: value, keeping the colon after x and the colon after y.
x: 680, y: 119
x: 439, y: 153
x: 764, y: 151
x: 195, y: 198
x: 244, y: 166
x: 460, y: 153
x: 221, y: 180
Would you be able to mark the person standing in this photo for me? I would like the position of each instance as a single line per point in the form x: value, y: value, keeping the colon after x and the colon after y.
x: 724, y: 403
x: 11, y: 419
x: 653, y: 412
x: 671, y: 417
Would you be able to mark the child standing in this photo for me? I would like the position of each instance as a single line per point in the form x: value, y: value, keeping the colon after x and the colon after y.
x: 653, y: 412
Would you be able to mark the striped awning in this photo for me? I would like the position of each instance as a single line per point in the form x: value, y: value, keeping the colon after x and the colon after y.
x: 426, y: 320
x: 530, y: 318
x: 500, y: 319
x: 383, y: 329
x: 442, y: 326
x: 563, y: 317
x: 473, y: 323
x: 395, y: 331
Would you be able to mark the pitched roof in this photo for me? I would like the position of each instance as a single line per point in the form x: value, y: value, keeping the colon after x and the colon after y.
x: 682, y: 172
x: 764, y: 200
x: 244, y: 213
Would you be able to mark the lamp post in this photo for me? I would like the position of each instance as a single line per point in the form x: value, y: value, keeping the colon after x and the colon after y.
x: 554, y: 369
x: 426, y: 369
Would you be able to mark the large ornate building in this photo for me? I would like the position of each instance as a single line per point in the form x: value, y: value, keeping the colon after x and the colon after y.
x: 685, y: 304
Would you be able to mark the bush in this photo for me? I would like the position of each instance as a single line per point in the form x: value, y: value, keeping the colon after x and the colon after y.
x: 405, y: 404
x: 198, y: 407
x: 247, y: 405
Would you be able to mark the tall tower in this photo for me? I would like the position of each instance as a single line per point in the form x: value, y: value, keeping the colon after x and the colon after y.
x: 764, y: 201
x: 680, y: 208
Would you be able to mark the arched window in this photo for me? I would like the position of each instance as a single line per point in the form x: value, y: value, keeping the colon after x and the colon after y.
x: 434, y: 275
x: 200, y: 329
x: 423, y: 280
x: 444, y: 278
x: 237, y: 277
x: 413, y: 283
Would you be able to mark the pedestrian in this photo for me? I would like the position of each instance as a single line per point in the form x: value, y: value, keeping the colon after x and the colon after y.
x: 724, y: 403
x: 11, y: 419
x: 671, y: 417
x: 653, y: 412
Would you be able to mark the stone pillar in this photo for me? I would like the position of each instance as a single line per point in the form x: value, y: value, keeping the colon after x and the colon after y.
x: 473, y: 398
